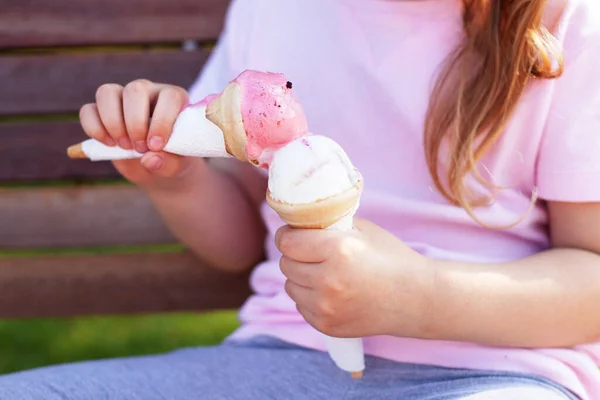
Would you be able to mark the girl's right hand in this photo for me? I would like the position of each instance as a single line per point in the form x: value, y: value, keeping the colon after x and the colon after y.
x: 140, y: 116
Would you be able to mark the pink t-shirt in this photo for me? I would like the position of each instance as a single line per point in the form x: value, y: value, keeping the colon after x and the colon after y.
x: 363, y: 70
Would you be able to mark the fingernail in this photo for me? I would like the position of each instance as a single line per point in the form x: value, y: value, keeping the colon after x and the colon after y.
x: 156, y: 143
x: 110, y: 142
x: 154, y: 163
x: 125, y: 143
x: 140, y: 146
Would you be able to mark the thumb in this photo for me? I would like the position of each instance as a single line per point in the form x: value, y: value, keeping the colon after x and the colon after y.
x: 373, y: 231
x: 364, y: 225
x: 166, y: 165
x: 380, y: 237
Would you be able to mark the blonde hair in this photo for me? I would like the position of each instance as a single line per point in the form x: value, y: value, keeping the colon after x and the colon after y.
x: 505, y: 46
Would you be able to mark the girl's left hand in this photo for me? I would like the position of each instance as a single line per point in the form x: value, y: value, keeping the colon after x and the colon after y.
x: 355, y: 284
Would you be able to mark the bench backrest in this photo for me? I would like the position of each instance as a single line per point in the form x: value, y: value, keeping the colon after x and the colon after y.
x: 74, y: 238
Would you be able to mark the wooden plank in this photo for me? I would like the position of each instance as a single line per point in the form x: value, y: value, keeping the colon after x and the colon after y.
x: 37, y: 151
x: 62, y: 83
x: 115, y: 284
x: 33, y: 23
x: 79, y: 216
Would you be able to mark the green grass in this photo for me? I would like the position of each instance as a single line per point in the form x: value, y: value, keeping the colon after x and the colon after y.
x: 31, y: 343
x: 26, y: 344
x: 93, y: 250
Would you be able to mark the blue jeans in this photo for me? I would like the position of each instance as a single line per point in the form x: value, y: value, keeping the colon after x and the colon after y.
x: 265, y: 368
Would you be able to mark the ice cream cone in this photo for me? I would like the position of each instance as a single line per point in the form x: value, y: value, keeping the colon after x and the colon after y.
x: 76, y: 151
x: 319, y: 214
x: 333, y: 213
x: 279, y: 118
x: 193, y: 135
x: 225, y: 112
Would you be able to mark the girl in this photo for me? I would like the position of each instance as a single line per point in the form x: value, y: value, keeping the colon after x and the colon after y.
x: 474, y: 270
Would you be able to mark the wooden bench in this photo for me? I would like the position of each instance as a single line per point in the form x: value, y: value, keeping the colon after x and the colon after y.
x: 74, y: 238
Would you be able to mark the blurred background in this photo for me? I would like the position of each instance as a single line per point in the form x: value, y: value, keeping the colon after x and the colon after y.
x: 87, y: 269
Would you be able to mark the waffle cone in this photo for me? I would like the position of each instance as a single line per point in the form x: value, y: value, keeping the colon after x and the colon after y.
x: 225, y: 112
x: 357, y: 375
x: 76, y: 151
x: 319, y: 214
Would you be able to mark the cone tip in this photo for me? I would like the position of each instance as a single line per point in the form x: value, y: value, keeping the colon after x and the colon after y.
x: 357, y: 374
x: 76, y: 151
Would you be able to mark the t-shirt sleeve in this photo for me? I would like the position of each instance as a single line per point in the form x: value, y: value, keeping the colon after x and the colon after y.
x: 223, y: 65
x: 568, y: 166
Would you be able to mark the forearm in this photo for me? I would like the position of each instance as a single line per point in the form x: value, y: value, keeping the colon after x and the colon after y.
x: 211, y: 214
x: 550, y: 299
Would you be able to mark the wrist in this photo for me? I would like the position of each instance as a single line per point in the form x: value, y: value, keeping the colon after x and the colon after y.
x: 445, y: 304
x: 415, y: 298
x: 433, y: 293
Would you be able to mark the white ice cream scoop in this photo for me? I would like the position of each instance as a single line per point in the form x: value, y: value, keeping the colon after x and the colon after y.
x: 310, y: 168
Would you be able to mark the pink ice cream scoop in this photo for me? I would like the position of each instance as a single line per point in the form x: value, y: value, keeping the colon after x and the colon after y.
x: 258, y: 114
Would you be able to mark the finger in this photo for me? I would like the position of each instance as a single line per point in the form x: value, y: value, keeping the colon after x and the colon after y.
x: 92, y: 125
x: 304, y: 245
x: 302, y: 296
x: 163, y: 164
x: 303, y: 274
x: 171, y: 101
x: 137, y: 98
x: 110, y: 109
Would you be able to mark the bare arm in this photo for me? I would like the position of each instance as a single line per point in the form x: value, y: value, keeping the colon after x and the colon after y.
x: 214, y: 210
x: 550, y: 299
